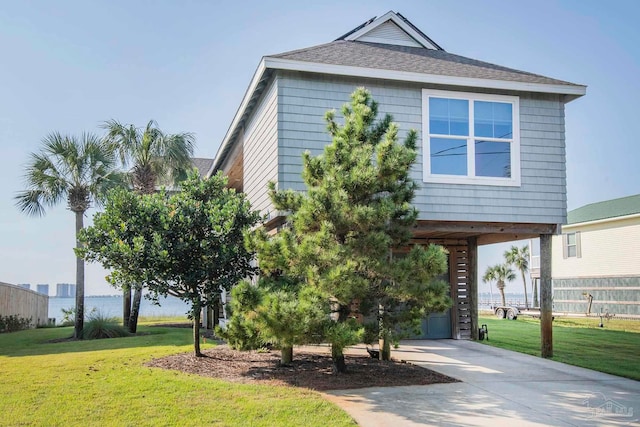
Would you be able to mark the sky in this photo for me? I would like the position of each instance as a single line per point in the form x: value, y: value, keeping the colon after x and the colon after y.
x: 68, y: 66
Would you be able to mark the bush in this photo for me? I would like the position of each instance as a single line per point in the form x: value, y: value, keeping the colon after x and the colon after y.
x: 13, y: 322
x: 100, y: 326
x: 69, y: 316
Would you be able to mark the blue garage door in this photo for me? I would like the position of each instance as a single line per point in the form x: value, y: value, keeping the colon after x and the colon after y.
x: 436, y: 326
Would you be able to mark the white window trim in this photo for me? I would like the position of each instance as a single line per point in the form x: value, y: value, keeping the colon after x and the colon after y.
x: 566, y: 245
x: 515, y: 179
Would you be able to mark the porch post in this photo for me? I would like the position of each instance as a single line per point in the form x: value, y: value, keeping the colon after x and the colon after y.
x: 472, y: 256
x: 546, y: 325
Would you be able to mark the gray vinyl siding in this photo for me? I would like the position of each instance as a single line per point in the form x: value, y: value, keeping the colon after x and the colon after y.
x: 304, y: 98
x: 261, y: 149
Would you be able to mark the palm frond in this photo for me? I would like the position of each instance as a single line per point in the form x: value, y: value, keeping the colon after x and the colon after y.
x: 66, y: 167
x: 157, y: 158
x: 29, y: 202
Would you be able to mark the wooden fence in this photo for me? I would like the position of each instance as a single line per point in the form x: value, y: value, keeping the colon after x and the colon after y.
x: 24, y: 303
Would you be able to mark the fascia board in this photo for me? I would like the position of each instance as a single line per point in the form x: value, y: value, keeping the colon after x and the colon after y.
x: 257, y: 76
x: 599, y: 221
x: 376, y: 73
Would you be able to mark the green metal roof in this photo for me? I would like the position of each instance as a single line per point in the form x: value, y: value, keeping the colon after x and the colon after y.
x: 608, y: 209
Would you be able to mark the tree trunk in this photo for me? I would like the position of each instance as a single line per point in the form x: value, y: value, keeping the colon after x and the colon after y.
x: 337, y: 356
x: 216, y: 312
x: 286, y: 355
x: 501, y: 289
x: 196, y: 333
x: 524, y: 283
x: 535, y: 292
x: 339, y: 366
x: 135, y: 310
x: 126, y: 306
x: 384, y: 346
x: 79, y: 324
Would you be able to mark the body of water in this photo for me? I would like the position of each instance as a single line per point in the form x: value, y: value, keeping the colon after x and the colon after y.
x: 487, y: 300
x: 111, y: 306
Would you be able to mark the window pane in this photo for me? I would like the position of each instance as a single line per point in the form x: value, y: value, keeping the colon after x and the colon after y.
x: 571, y: 251
x: 448, y: 156
x: 571, y: 238
x: 493, y: 119
x: 493, y: 159
x: 448, y: 116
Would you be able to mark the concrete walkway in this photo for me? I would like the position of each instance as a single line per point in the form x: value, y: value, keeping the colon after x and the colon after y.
x: 499, y: 387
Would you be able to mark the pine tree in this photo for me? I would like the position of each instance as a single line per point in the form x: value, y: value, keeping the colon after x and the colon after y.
x: 349, y: 232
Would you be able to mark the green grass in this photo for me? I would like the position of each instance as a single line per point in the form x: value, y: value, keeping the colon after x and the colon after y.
x: 104, y: 382
x: 614, y: 349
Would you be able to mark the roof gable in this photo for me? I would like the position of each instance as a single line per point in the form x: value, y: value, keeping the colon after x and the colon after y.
x: 603, y: 210
x: 391, y: 28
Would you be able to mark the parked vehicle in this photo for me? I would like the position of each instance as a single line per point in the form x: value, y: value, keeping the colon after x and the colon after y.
x: 506, y: 312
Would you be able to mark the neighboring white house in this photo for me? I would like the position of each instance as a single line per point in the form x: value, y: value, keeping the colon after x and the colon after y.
x: 491, y: 162
x: 598, y: 255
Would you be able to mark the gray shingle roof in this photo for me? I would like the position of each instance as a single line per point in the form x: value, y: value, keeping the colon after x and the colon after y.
x: 203, y: 165
x: 608, y: 209
x: 410, y: 59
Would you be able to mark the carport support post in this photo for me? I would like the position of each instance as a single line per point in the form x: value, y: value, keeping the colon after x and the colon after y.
x: 472, y: 257
x: 546, y: 320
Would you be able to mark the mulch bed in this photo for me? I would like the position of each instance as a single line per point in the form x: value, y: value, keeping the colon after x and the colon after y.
x: 308, y: 370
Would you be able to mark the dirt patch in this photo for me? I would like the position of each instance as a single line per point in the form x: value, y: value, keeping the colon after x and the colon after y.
x: 309, y: 370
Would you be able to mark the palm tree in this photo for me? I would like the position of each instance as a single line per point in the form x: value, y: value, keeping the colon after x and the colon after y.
x: 519, y: 259
x: 155, y: 158
x: 488, y: 278
x: 78, y: 170
x: 500, y: 273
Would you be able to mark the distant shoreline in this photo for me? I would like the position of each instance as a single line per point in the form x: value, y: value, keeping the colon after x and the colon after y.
x: 89, y: 296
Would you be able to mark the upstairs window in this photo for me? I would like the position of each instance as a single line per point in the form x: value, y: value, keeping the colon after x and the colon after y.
x: 471, y: 138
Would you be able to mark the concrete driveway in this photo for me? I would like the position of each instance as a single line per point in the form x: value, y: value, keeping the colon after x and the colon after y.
x: 498, y: 388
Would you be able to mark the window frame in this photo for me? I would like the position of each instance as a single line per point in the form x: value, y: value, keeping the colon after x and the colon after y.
x: 577, y: 244
x: 470, y: 177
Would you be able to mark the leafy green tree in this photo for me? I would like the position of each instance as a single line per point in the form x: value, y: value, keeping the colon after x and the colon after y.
x: 355, y: 214
x: 155, y: 158
x: 78, y: 171
x: 189, y: 245
x: 499, y: 273
x: 519, y: 259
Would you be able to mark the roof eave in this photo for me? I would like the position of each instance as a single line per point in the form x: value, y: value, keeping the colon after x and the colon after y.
x: 570, y: 91
x: 258, y: 76
x: 601, y: 221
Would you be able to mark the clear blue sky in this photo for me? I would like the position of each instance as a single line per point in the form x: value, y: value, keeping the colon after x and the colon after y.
x: 69, y: 65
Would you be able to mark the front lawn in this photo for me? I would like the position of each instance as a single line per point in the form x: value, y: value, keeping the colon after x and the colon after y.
x: 105, y: 382
x: 614, y: 349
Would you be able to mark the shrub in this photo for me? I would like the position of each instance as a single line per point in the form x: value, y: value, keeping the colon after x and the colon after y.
x: 69, y: 315
x: 100, y: 326
x: 13, y: 322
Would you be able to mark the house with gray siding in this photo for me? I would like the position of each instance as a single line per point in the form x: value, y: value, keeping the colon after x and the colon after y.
x: 596, y: 259
x: 491, y: 162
